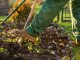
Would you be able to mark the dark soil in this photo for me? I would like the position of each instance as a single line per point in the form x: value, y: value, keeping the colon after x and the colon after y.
x: 53, y: 45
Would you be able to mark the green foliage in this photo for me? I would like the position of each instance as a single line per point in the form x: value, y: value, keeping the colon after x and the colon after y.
x: 2, y: 50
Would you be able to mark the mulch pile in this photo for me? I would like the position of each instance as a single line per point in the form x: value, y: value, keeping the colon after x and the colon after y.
x: 53, y: 45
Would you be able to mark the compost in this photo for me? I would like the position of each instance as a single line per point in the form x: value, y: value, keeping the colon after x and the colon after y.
x: 52, y: 44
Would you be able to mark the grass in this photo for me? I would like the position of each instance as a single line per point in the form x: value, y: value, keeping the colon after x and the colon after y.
x: 2, y: 17
x: 76, y: 52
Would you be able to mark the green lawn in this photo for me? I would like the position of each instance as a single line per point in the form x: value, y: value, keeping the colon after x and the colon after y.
x: 2, y: 17
x: 76, y: 51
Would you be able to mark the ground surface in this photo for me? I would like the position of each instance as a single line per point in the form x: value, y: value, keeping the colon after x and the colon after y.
x: 21, y: 53
x: 53, y: 44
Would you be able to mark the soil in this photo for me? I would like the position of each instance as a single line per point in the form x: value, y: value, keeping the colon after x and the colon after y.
x: 53, y: 44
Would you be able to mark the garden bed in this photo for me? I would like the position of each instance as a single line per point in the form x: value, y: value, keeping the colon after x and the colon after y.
x: 53, y: 44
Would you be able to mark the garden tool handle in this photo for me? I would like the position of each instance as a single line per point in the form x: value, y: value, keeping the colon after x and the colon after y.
x: 29, y: 19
